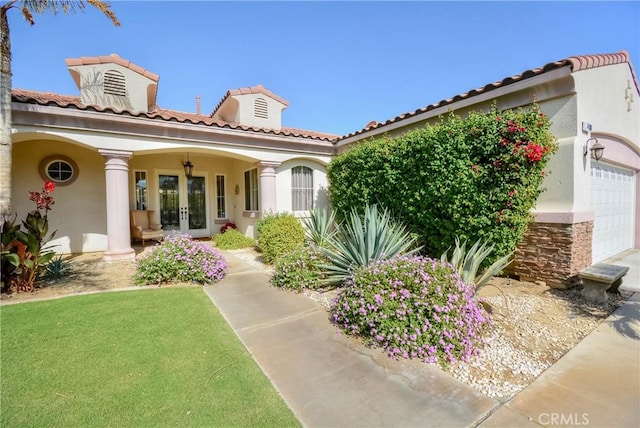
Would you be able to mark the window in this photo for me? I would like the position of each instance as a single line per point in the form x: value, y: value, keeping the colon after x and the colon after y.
x: 251, y: 190
x: 114, y: 83
x: 59, y: 169
x: 301, y: 188
x: 220, y: 196
x: 141, y: 190
x: 261, y: 108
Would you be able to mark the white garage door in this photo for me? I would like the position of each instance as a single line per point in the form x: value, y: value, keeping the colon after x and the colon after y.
x: 613, y: 200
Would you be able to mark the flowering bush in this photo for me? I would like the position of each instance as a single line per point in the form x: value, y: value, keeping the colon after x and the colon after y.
x: 476, y: 177
x: 228, y: 226
x: 232, y: 239
x: 23, y: 252
x: 299, y: 269
x: 413, y: 307
x: 180, y: 258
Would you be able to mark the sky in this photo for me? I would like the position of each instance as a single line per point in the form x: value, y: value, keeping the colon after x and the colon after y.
x: 339, y: 64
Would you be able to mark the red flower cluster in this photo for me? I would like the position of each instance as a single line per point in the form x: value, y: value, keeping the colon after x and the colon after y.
x: 43, y: 199
x: 535, y: 152
x: 513, y: 127
x: 227, y: 226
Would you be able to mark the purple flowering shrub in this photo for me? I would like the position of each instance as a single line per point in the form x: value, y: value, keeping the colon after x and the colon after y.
x: 413, y: 307
x: 180, y: 258
x: 299, y: 269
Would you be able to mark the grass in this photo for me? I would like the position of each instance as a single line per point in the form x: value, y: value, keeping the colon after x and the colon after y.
x: 161, y: 358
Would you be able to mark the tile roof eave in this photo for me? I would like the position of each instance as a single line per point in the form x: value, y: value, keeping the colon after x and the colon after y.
x: 65, y: 101
x: 577, y: 63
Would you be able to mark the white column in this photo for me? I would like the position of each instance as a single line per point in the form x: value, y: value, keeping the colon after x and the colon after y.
x: 268, y: 186
x: 118, y: 232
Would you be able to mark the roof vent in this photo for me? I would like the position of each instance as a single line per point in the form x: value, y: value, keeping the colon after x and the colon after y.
x: 114, y: 83
x: 260, y: 108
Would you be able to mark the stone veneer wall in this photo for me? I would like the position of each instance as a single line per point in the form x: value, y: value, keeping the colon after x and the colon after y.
x: 554, y: 253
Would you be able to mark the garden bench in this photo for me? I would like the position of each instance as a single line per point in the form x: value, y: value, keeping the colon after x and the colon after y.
x: 599, y: 278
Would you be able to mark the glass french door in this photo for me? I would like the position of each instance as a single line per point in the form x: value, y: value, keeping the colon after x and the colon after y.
x: 183, y: 204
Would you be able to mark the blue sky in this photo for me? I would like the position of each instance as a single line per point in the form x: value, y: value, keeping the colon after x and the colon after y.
x: 339, y: 64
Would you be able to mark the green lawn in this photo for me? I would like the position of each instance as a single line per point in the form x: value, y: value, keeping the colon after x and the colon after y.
x: 148, y: 358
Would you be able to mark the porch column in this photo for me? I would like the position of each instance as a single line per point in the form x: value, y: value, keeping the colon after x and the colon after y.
x: 118, y: 233
x: 268, y: 186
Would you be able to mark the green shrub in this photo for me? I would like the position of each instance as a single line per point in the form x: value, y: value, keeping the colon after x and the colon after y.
x: 278, y: 234
x: 359, y: 242
x: 477, y: 177
x: 299, y: 269
x: 180, y: 258
x: 232, y: 239
x: 413, y: 307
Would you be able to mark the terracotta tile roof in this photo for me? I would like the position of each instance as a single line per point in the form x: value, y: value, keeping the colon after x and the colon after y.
x: 111, y: 59
x: 258, y: 89
x: 69, y: 101
x: 577, y: 63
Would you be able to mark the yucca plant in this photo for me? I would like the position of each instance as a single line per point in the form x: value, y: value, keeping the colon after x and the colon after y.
x: 468, y: 262
x: 57, y: 268
x: 319, y: 227
x: 361, y: 241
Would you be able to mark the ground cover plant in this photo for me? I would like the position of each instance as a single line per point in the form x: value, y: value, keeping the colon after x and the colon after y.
x: 278, y: 234
x: 232, y: 239
x: 300, y: 269
x: 413, y: 307
x: 476, y: 178
x: 180, y: 258
x: 155, y: 357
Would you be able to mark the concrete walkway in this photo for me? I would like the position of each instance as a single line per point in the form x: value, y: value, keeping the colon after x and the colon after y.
x: 329, y: 380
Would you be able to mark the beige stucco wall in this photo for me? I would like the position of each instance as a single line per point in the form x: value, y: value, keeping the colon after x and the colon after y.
x: 245, y: 114
x: 283, y: 183
x: 79, y: 213
x: 91, y: 78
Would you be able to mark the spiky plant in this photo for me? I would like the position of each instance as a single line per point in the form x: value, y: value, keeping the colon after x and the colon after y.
x: 361, y: 241
x: 468, y: 262
x: 320, y: 226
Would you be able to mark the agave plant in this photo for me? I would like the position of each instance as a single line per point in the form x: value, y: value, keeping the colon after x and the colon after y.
x: 319, y: 228
x: 361, y: 241
x: 467, y: 263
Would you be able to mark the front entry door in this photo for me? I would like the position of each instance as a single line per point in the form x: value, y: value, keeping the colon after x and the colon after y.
x: 183, y: 204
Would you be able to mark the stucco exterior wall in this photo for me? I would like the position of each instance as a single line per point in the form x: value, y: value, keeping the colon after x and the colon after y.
x: 79, y: 212
x: 283, y: 184
x: 91, y: 80
x: 245, y: 113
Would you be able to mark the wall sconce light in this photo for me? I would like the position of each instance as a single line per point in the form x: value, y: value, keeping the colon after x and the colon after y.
x: 188, y: 167
x: 237, y: 190
x: 596, y: 149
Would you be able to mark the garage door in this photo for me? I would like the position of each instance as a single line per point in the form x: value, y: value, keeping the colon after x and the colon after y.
x: 612, y: 199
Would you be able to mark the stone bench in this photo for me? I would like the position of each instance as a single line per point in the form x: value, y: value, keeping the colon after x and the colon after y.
x: 599, y: 278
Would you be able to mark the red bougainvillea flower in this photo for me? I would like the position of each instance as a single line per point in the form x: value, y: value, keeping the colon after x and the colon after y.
x: 49, y: 186
x: 535, y: 152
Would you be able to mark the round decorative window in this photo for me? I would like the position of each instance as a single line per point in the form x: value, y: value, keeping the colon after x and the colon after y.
x: 59, y: 169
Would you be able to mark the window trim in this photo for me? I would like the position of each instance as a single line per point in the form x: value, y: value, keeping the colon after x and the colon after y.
x: 249, y: 192
x: 135, y: 194
x: 224, y: 196
x: 311, y: 189
x: 43, y: 169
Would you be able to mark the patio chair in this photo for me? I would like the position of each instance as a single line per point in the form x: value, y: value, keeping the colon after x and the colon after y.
x: 144, y: 226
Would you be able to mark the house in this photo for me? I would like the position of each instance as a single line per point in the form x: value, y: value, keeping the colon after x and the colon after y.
x: 589, y: 211
x: 112, y: 149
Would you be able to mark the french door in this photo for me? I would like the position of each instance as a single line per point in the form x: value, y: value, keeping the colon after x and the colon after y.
x: 183, y: 203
